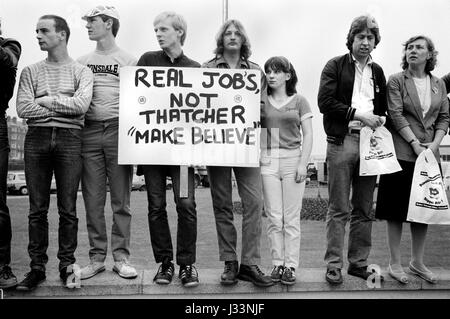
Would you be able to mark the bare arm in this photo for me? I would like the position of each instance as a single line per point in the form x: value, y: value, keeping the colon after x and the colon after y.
x: 307, y: 133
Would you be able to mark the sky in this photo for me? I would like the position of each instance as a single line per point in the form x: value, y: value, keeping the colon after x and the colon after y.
x: 307, y: 32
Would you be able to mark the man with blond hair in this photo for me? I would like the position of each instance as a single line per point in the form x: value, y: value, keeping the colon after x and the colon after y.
x: 170, y: 29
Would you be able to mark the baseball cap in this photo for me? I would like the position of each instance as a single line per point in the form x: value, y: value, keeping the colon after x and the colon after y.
x: 109, y: 11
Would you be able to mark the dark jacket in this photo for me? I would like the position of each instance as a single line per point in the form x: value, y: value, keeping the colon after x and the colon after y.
x: 335, y: 95
x: 446, y: 79
x: 9, y: 57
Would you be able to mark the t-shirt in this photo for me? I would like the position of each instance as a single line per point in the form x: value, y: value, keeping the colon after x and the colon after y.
x: 423, y: 88
x: 287, y: 118
x: 105, y: 66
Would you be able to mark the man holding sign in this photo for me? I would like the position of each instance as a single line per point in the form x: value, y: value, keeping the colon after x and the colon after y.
x: 232, y: 52
x: 170, y: 29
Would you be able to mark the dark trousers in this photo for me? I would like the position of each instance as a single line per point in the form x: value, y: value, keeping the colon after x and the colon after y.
x: 51, y: 150
x: 5, y: 220
x: 155, y: 179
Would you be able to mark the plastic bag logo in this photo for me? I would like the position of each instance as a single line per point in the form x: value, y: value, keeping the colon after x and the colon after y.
x: 375, y: 151
x: 433, y: 197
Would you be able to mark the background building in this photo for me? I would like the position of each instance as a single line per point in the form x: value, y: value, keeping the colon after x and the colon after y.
x: 16, y: 132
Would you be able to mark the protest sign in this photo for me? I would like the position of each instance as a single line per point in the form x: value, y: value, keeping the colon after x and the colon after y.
x: 189, y: 116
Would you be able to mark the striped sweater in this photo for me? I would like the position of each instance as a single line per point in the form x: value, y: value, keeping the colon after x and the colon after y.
x: 69, y: 83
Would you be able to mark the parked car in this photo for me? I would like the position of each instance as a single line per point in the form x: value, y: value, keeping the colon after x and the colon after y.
x: 201, y: 176
x: 16, y: 183
x: 138, y: 183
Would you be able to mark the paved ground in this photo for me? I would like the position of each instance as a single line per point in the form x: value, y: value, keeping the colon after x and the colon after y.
x: 312, y: 238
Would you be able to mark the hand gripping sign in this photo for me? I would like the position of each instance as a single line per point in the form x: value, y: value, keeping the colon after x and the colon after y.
x: 189, y: 116
x: 428, y: 203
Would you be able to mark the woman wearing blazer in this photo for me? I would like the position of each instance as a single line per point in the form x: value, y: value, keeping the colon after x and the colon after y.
x: 418, y: 119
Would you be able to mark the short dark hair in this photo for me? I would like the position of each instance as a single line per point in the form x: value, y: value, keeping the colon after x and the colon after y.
x: 115, y: 26
x: 60, y: 24
x: 280, y: 63
x: 358, y: 25
x: 246, y: 51
x: 431, y: 62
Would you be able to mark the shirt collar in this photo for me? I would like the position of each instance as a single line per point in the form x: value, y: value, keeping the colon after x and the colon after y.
x: 221, y: 60
x: 177, y: 59
x: 369, y: 60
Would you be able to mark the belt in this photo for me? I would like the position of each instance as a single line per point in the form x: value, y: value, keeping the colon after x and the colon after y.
x: 354, y: 131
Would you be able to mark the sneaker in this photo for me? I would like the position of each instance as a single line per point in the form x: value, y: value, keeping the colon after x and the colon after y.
x: 277, y: 273
x: 165, y: 273
x: 94, y: 268
x: 32, y: 280
x: 124, y: 269
x: 334, y: 276
x: 188, y: 275
x: 230, y: 271
x: 255, y: 275
x: 71, y: 276
x: 288, y: 277
x: 7, y: 278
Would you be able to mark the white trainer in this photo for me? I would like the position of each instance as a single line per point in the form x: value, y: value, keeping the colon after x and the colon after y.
x: 124, y: 269
x: 92, y: 269
x: 72, y: 277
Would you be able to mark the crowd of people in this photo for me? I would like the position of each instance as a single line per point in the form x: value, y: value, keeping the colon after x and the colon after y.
x: 72, y: 112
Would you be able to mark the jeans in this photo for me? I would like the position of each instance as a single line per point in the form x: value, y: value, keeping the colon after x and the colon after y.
x: 250, y: 190
x: 155, y: 179
x: 5, y: 220
x: 282, y: 203
x: 343, y: 175
x: 100, y: 163
x: 51, y: 150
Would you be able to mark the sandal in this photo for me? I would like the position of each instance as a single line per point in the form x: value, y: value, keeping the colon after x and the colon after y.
x: 400, y: 276
x: 425, y: 275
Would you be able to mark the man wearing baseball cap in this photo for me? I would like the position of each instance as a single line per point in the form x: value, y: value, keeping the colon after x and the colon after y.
x: 100, y: 148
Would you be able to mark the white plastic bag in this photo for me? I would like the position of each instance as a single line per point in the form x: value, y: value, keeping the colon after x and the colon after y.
x: 377, y: 152
x: 428, y: 203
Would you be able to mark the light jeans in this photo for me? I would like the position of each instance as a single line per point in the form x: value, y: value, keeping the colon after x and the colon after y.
x: 282, y: 203
x: 343, y: 177
x: 100, y: 164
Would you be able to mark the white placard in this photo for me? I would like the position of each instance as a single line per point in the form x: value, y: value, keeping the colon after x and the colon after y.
x: 189, y: 116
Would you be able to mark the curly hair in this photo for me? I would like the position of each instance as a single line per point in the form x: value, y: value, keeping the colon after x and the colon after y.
x: 431, y: 62
x: 246, y: 51
x: 280, y: 63
x: 358, y: 25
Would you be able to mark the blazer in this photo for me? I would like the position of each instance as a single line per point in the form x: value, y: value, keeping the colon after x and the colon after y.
x: 336, y: 91
x: 404, y: 110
